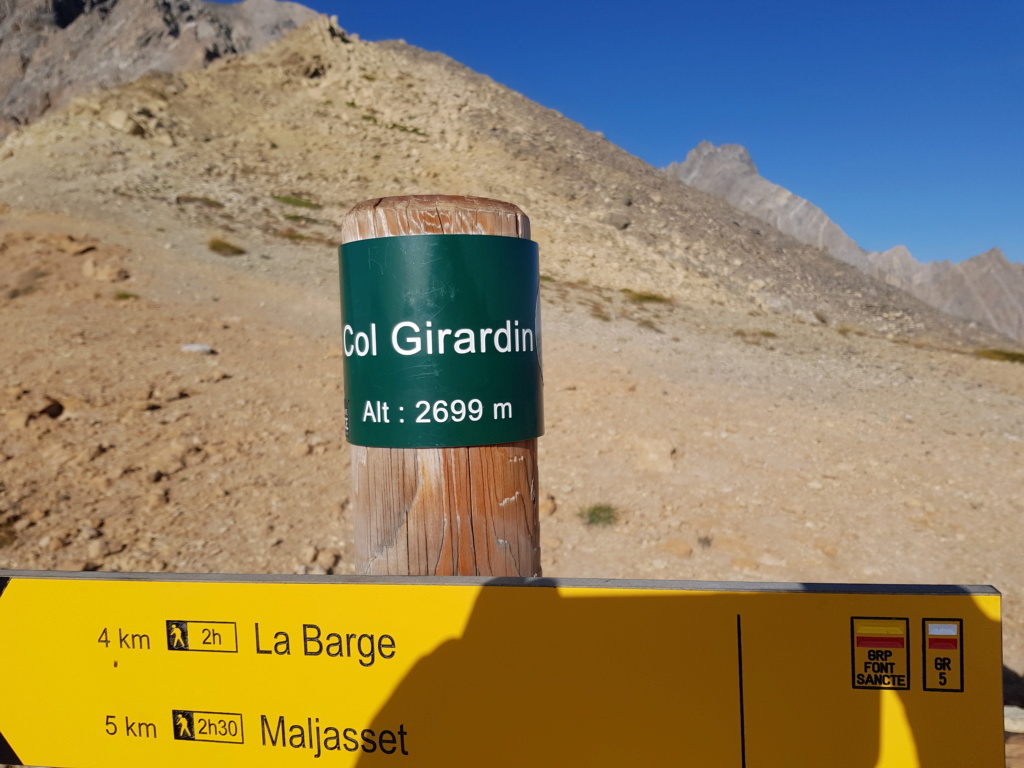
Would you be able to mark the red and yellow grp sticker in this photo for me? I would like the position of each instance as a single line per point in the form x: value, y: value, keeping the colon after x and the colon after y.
x: 880, y: 653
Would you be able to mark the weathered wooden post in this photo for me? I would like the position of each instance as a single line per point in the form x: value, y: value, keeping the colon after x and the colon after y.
x: 441, y: 334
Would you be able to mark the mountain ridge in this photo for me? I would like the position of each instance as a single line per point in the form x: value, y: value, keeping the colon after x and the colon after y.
x: 728, y: 171
x: 986, y: 288
x: 399, y: 120
x: 55, y: 53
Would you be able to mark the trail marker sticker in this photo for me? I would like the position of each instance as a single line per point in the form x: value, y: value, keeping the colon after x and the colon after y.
x: 880, y: 653
x: 943, y: 655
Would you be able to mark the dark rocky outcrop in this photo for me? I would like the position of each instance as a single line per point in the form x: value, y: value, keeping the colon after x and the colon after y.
x: 53, y: 50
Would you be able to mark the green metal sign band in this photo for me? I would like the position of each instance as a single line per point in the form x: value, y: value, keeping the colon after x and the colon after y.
x: 441, y: 338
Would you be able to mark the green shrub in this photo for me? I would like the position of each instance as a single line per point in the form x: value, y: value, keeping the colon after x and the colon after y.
x: 599, y: 514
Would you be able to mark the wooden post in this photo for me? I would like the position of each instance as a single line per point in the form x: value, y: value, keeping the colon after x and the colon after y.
x: 444, y: 511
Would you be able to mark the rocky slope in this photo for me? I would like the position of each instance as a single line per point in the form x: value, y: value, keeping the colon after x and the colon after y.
x: 986, y: 288
x: 53, y: 50
x: 752, y: 407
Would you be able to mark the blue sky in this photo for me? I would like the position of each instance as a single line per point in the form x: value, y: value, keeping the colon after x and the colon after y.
x: 904, y: 121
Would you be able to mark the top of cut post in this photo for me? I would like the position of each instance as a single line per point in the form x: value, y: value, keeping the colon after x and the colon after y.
x: 433, y: 215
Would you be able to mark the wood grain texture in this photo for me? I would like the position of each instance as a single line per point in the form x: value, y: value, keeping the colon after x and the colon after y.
x: 444, y: 511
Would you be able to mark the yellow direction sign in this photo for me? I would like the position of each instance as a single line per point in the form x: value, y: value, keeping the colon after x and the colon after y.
x: 128, y: 670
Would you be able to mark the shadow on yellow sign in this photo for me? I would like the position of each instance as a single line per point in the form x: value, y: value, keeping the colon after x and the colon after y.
x: 563, y: 676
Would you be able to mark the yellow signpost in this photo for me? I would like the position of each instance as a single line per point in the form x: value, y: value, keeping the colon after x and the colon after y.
x: 128, y: 670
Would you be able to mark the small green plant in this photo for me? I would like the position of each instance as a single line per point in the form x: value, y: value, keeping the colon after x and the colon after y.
x: 407, y: 129
x: 297, y: 201
x: 291, y: 234
x: 370, y: 118
x: 224, y: 248
x: 547, y: 279
x: 1000, y: 354
x: 371, y: 78
x: 645, y: 297
x: 600, y: 515
x: 350, y: 104
x: 125, y: 295
x: 302, y: 219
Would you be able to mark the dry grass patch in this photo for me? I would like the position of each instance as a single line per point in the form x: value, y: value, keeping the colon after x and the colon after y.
x: 297, y: 200
x: 224, y: 248
x: 206, y: 202
x: 1000, y: 354
x: 645, y: 297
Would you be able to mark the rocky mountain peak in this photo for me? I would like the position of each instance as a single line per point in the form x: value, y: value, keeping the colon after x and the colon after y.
x: 993, y: 256
x: 708, y: 160
x: 729, y: 172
